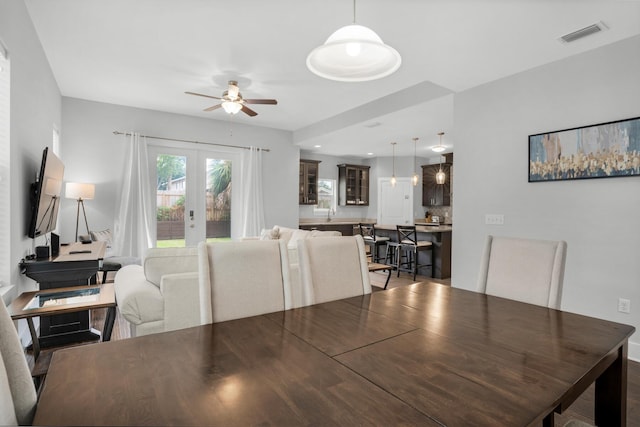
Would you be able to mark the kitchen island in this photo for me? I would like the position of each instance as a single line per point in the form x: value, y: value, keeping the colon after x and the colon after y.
x: 438, y: 235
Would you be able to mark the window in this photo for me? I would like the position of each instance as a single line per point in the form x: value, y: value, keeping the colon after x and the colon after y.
x: 326, y: 197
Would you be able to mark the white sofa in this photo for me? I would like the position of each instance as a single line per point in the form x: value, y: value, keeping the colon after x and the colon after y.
x: 161, y: 294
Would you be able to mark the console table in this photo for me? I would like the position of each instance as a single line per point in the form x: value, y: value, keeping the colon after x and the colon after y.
x: 75, y: 265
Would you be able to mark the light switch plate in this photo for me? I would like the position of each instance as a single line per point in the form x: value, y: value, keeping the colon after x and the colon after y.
x: 494, y: 219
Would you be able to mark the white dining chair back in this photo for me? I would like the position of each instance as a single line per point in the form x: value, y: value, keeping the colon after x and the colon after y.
x: 333, y: 268
x: 242, y: 279
x: 526, y: 270
x: 15, y: 373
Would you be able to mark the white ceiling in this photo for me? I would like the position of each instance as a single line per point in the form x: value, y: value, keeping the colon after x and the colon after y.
x: 147, y: 53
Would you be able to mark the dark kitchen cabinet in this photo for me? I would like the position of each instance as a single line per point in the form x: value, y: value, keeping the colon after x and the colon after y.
x: 308, y: 194
x: 434, y: 194
x: 353, y: 185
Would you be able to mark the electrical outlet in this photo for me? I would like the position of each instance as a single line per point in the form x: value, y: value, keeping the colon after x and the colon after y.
x: 494, y: 219
x: 624, y: 305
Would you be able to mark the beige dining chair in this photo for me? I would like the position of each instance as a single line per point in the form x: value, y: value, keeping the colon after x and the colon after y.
x: 333, y: 268
x: 16, y: 384
x: 526, y: 270
x: 242, y: 279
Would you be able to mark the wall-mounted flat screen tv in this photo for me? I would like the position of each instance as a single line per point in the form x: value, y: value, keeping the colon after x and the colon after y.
x: 45, y: 195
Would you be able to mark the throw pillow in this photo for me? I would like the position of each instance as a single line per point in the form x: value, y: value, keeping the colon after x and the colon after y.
x: 101, y: 236
x: 270, y: 234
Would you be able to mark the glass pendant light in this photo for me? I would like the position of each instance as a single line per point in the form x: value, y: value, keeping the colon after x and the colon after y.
x: 415, y: 178
x: 393, y: 175
x: 439, y: 148
x: 353, y: 53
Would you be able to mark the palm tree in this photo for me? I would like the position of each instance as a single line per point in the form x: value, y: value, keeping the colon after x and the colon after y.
x: 219, y: 175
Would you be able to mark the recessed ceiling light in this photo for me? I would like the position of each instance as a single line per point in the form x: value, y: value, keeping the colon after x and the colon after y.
x: 369, y: 154
x: 317, y: 146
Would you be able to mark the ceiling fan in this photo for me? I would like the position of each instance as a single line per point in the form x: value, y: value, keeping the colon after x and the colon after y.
x: 233, y: 102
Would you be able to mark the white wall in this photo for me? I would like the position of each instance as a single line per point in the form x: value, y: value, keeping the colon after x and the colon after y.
x: 92, y: 153
x: 599, y: 218
x: 35, y: 110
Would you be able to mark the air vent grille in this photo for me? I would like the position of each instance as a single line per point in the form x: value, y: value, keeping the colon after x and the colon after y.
x: 583, y: 32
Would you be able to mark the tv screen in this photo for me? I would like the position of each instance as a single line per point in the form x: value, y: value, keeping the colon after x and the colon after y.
x: 45, y: 195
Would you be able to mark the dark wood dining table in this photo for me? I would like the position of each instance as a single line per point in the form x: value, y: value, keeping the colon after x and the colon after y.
x: 423, y: 354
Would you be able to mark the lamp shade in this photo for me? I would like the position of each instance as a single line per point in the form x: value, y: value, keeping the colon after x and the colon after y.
x: 231, y: 107
x: 353, y: 53
x: 74, y: 190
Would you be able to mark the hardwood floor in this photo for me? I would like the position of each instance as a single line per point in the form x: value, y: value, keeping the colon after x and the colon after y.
x: 582, y: 409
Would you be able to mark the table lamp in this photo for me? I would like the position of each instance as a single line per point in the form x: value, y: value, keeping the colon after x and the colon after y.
x: 80, y: 192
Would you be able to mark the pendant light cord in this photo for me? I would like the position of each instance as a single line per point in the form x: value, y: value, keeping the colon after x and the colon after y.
x: 354, y: 11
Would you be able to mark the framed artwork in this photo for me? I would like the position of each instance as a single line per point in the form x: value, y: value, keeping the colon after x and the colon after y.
x: 598, y: 151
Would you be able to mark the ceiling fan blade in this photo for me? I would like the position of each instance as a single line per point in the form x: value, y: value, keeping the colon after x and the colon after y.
x: 249, y: 111
x: 213, y: 107
x: 261, y: 101
x: 200, y: 94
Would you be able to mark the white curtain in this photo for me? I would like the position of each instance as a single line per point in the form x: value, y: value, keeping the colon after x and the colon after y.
x: 252, y: 194
x: 133, y: 228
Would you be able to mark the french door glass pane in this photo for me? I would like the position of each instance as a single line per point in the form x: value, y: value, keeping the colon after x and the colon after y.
x: 170, y: 199
x: 218, y: 199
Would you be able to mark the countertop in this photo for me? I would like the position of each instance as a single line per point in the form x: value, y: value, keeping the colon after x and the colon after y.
x: 442, y: 228
x: 420, y: 226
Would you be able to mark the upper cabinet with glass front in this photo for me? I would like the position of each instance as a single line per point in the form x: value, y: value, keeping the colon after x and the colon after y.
x: 353, y: 185
x: 308, y: 190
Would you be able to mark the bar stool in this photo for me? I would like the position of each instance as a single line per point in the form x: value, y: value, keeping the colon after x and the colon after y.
x: 368, y: 233
x: 409, y: 248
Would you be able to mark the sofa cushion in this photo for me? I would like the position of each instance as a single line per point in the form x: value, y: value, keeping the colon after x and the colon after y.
x: 161, y: 261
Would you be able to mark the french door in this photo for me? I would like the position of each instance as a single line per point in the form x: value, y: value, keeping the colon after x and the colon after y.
x: 194, y: 197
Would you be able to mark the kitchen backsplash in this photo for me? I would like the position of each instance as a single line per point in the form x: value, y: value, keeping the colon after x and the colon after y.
x: 444, y: 212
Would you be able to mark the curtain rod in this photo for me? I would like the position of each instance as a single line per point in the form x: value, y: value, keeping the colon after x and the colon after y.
x: 116, y: 132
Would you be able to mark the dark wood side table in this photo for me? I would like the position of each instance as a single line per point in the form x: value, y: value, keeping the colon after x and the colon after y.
x: 76, y: 264
x: 45, y: 303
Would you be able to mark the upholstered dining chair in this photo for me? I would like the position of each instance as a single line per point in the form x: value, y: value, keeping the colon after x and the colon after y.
x: 17, y: 391
x: 368, y: 233
x: 333, y: 268
x: 242, y: 279
x: 526, y: 270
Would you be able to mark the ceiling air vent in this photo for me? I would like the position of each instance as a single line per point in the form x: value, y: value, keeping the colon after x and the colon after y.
x: 583, y: 32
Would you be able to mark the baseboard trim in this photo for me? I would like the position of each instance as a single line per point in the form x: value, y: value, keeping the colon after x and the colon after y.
x: 634, y: 351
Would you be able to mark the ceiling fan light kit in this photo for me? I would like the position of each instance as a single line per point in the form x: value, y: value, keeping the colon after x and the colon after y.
x: 354, y: 53
x: 233, y: 102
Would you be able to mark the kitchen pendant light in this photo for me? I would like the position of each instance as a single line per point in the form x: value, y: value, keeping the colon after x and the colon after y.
x: 440, y: 175
x: 415, y: 178
x: 439, y: 148
x: 353, y: 53
x: 393, y: 175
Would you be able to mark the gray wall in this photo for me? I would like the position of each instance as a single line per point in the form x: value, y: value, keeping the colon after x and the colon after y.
x: 599, y: 218
x: 92, y: 153
x: 35, y: 110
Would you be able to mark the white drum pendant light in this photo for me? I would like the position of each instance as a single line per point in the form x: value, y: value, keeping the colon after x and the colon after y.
x: 354, y: 54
